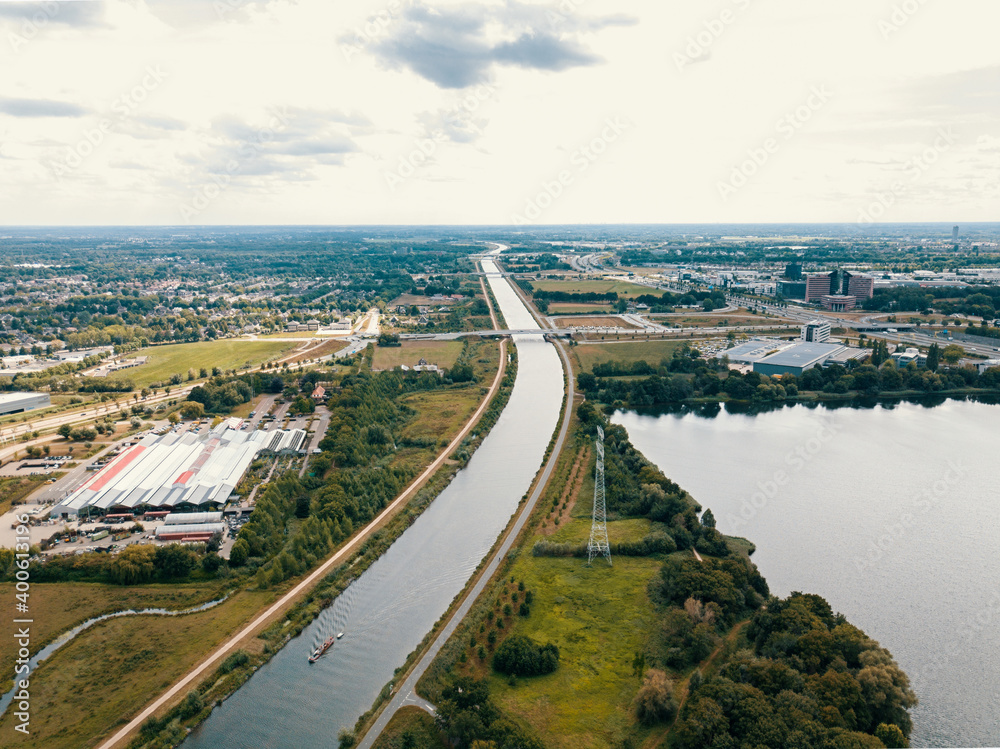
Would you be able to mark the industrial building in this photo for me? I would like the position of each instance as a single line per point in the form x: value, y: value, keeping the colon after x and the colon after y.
x: 755, y: 350
x: 15, y: 403
x: 178, y: 471
x: 797, y: 359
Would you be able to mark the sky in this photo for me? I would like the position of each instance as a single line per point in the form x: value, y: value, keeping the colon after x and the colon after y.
x: 498, y: 112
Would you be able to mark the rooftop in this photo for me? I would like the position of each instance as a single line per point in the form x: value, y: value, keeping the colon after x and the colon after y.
x: 803, y: 354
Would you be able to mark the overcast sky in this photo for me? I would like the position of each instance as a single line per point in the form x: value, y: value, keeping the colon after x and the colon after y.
x: 595, y: 111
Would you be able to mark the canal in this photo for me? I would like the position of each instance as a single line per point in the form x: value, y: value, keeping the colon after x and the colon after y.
x: 389, y: 609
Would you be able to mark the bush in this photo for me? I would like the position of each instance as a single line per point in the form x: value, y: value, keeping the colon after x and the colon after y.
x: 234, y: 661
x: 521, y: 656
x: 655, y: 703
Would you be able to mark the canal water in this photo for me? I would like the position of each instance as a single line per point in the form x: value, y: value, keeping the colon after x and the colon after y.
x: 892, y: 513
x: 387, y: 611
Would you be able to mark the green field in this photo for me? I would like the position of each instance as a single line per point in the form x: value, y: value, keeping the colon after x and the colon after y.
x: 165, y: 361
x: 622, y: 288
x: 587, y: 355
x: 442, y: 353
x: 599, y: 617
x: 57, y: 607
x: 109, y: 672
x: 578, y: 309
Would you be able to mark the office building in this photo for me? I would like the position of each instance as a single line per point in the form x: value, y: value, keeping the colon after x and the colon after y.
x: 816, y: 332
x: 818, y: 285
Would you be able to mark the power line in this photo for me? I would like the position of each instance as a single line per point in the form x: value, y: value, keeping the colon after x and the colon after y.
x: 598, y: 544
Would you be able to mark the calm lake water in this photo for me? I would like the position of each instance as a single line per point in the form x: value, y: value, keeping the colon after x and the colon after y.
x: 891, y: 513
x: 387, y: 611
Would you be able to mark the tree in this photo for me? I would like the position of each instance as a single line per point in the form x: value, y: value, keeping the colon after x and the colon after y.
x: 174, y: 419
x: 655, y: 703
x: 192, y: 410
x: 952, y: 353
x: 521, y: 656
x: 239, y: 553
x: 708, y: 519
x: 891, y: 735
x: 174, y: 561
x: 133, y: 566
x: 934, y: 357
x: 65, y: 431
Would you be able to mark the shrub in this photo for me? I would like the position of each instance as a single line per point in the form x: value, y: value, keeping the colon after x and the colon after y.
x: 521, y: 656
x: 655, y: 703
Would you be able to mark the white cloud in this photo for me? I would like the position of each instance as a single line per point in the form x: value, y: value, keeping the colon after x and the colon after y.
x: 364, y: 83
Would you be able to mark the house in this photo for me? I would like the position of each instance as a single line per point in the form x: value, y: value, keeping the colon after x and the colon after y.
x: 319, y: 393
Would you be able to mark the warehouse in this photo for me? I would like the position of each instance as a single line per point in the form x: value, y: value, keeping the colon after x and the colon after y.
x: 15, y: 403
x: 797, y: 359
x: 199, y: 532
x: 755, y: 350
x: 176, y: 472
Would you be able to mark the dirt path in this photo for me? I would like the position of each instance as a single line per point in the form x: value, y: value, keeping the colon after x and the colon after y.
x: 683, y: 688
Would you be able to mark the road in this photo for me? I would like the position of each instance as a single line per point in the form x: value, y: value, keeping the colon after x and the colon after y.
x: 406, y: 693
x: 202, y: 669
x: 89, y: 413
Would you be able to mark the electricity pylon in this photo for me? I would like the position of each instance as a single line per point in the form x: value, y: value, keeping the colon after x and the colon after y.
x: 598, y: 544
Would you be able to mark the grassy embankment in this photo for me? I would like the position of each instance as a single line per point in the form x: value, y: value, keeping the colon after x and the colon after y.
x: 178, y: 358
x: 414, y: 721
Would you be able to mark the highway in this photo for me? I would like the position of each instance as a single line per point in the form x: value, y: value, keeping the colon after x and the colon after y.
x: 915, y: 338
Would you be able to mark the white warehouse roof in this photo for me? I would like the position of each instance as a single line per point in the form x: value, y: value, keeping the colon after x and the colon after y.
x: 189, y: 469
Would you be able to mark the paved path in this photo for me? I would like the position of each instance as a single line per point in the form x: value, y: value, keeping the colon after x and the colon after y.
x: 406, y: 693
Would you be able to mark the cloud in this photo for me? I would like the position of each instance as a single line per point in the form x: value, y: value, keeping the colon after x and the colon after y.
x: 161, y: 122
x: 289, y: 146
x: 459, y: 47
x: 37, y: 15
x: 966, y: 96
x: 40, y: 108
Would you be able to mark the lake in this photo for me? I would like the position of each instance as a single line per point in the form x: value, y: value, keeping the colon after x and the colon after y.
x: 892, y: 513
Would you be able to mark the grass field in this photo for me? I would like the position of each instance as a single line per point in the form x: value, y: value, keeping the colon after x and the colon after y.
x: 442, y: 413
x: 599, y: 617
x: 595, y: 322
x: 165, y: 361
x: 324, y: 348
x: 442, y: 353
x: 57, y: 607
x: 14, y: 489
x: 587, y: 355
x: 575, y: 309
x: 107, y: 674
x: 622, y: 288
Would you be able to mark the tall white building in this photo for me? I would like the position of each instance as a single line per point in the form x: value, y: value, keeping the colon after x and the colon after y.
x: 816, y: 331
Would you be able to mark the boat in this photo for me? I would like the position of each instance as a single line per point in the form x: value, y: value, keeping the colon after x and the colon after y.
x: 327, y: 644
